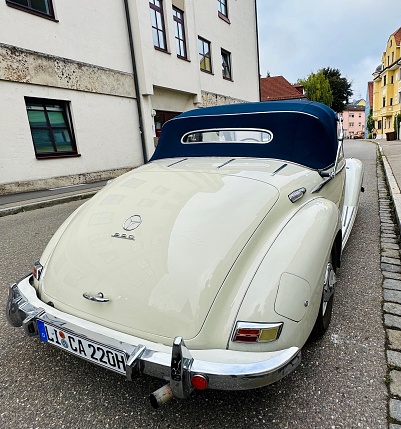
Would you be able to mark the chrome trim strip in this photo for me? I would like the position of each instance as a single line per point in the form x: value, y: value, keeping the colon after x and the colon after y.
x: 297, y: 112
x: 177, y: 162
x: 225, y: 163
x: 208, y: 130
x: 279, y: 169
x: 348, y: 218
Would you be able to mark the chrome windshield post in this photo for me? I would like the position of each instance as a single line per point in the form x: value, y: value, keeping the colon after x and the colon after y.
x: 339, y: 148
x: 181, y: 362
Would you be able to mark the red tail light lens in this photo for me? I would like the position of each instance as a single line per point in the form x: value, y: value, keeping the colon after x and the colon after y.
x: 247, y: 335
x: 249, y: 332
x: 199, y: 382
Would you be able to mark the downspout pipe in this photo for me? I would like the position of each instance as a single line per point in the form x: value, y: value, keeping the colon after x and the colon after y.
x: 136, y: 81
x: 257, y: 47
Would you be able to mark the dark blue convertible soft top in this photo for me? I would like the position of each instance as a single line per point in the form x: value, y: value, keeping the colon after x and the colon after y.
x: 303, y: 132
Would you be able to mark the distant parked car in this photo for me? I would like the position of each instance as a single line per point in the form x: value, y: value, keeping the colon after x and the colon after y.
x: 359, y: 135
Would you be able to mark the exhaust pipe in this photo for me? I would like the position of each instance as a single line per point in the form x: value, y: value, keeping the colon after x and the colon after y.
x: 161, y: 396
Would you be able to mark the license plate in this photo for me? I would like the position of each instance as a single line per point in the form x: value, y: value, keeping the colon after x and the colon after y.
x: 85, y: 348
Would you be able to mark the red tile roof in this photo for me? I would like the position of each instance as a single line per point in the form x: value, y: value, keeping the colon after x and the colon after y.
x: 397, y: 36
x: 278, y: 88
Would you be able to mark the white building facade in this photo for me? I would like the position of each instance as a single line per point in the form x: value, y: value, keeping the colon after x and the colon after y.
x: 86, y: 86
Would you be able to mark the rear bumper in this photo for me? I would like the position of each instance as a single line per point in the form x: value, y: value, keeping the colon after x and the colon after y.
x: 223, y: 369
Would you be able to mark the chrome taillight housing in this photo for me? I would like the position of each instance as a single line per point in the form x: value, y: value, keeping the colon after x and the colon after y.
x: 37, y: 270
x: 252, y: 332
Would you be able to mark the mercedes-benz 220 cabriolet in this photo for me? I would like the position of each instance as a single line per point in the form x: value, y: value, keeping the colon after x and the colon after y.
x: 210, y: 266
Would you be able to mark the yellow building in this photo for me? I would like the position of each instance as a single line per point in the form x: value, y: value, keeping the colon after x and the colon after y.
x: 387, y: 89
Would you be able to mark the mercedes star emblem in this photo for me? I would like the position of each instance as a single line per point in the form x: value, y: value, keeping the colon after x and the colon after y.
x: 132, y: 223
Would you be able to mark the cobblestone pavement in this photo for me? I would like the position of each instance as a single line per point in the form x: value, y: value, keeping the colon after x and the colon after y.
x: 391, y: 270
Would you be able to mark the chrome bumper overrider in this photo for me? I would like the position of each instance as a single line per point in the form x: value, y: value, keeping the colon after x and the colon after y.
x: 231, y: 370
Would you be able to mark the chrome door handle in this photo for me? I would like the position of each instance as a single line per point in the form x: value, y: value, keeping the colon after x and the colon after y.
x: 97, y: 298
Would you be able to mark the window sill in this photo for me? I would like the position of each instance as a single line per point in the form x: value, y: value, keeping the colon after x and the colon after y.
x: 165, y: 51
x: 228, y: 78
x: 183, y: 58
x: 55, y: 156
x: 31, y: 11
x: 207, y: 71
x: 223, y: 17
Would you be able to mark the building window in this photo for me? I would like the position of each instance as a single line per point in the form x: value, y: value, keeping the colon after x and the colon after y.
x: 226, y: 64
x: 51, y: 128
x: 222, y: 10
x: 379, y: 125
x: 351, y: 115
x: 384, y: 101
x: 399, y: 98
x: 384, y: 80
x: 38, y: 7
x: 392, y: 79
x: 391, y: 101
x: 179, y: 29
x: 158, y: 28
x: 205, y: 56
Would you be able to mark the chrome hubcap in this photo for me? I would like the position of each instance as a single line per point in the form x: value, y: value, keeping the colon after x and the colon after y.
x: 329, y: 285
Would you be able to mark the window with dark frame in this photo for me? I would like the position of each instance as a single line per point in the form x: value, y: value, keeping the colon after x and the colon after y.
x: 158, y: 28
x: 38, y: 7
x: 222, y: 9
x: 179, y: 30
x: 226, y: 64
x: 205, y: 56
x: 51, y: 128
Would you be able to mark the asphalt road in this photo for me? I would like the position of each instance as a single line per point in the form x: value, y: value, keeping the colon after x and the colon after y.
x: 340, y: 383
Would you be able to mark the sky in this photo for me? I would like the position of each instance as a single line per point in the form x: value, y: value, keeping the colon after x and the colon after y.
x: 298, y: 37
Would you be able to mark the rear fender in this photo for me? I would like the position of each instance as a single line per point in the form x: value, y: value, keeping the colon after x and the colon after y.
x: 287, y: 286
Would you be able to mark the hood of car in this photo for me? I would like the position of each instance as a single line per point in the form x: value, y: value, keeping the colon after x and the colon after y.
x: 157, y: 243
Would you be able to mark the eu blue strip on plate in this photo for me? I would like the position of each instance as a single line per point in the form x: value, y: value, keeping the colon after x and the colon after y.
x: 42, y: 330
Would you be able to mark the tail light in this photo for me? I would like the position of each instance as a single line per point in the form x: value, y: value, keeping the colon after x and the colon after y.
x: 199, y: 382
x: 249, y: 332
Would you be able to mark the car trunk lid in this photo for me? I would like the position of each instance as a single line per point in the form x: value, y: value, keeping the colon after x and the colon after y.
x: 162, y: 275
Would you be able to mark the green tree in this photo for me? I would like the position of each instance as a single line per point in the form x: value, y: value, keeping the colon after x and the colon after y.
x: 317, y: 88
x: 340, y: 88
x: 370, y: 123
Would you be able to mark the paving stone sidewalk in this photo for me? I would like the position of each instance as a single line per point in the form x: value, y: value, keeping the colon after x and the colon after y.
x: 391, y: 270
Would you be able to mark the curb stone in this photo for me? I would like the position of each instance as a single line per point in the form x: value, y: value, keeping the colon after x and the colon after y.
x: 391, y: 270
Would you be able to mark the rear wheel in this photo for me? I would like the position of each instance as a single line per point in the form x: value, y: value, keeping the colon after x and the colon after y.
x: 326, y: 304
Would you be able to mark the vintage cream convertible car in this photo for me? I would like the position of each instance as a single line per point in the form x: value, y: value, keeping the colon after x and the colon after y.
x: 210, y: 266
